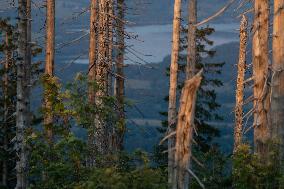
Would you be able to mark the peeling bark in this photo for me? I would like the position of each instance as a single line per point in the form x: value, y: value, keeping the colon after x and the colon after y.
x: 240, y: 84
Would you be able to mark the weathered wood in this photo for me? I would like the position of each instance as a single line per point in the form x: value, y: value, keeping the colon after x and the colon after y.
x: 277, y: 98
x: 49, y: 65
x: 102, y: 70
x: 240, y: 84
x: 191, y: 36
x: 260, y: 75
x: 119, y: 79
x: 92, y: 77
x: 173, y: 85
x: 22, y: 108
x: 184, y: 133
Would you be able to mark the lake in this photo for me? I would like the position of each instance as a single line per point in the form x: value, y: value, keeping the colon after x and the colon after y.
x: 151, y: 43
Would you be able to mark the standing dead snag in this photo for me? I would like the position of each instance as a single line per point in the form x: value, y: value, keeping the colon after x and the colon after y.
x: 240, y: 84
x: 92, y: 76
x: 49, y: 66
x: 260, y: 76
x: 22, y: 119
x: 119, y: 80
x: 173, y: 85
x: 102, y: 69
x: 277, y: 98
x: 184, y: 132
x: 191, y: 36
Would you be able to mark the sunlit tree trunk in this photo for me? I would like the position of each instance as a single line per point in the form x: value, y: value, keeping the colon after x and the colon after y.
x: 240, y: 84
x: 92, y: 75
x: 277, y: 98
x: 119, y: 83
x: 49, y: 64
x: 22, y: 108
x: 260, y: 75
x: 184, y: 133
x: 191, y: 36
x: 173, y: 86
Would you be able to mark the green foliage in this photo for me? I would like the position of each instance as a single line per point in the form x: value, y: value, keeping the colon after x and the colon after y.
x: 251, y: 172
x: 137, y: 174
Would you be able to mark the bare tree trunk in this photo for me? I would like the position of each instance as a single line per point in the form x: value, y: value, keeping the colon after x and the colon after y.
x: 277, y: 99
x: 22, y: 100
x: 173, y: 86
x: 102, y: 67
x: 260, y: 75
x: 8, y: 58
x: 49, y: 64
x: 184, y: 133
x: 29, y: 57
x: 92, y: 76
x: 240, y: 84
x: 191, y: 36
x: 110, y: 45
x: 119, y: 79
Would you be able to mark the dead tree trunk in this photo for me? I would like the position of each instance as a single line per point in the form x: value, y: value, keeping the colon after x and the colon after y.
x: 260, y: 76
x: 191, y: 36
x: 49, y: 64
x: 119, y: 78
x: 240, y: 84
x: 110, y: 45
x: 22, y: 100
x: 102, y: 71
x: 184, y: 132
x: 7, y: 63
x: 277, y: 98
x: 173, y: 86
x: 92, y: 76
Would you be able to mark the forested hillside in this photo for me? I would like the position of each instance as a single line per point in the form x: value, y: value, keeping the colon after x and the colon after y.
x: 141, y: 94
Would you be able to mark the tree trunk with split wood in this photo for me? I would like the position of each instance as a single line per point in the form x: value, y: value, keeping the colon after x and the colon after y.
x: 277, y: 98
x: 260, y: 76
x: 184, y: 132
x: 240, y: 84
x: 173, y: 86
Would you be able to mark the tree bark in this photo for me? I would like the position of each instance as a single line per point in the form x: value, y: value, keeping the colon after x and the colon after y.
x: 277, y: 98
x: 49, y: 64
x: 191, y: 36
x: 7, y: 63
x: 22, y: 108
x: 102, y: 67
x: 184, y: 133
x: 240, y: 84
x: 119, y: 83
x: 92, y: 76
x: 173, y: 86
x: 260, y: 75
